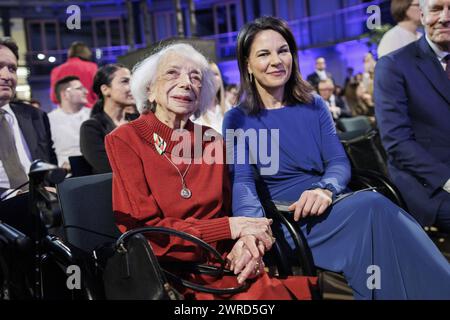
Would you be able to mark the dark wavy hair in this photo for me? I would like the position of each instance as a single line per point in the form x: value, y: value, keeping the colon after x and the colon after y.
x: 11, y: 45
x: 296, y: 89
x: 104, y: 75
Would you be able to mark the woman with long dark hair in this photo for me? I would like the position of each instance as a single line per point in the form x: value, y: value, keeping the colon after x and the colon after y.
x: 112, y: 86
x: 381, y: 250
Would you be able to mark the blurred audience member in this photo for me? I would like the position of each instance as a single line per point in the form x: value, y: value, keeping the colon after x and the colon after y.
x: 78, y: 64
x: 358, y: 77
x: 359, y: 100
x: 130, y: 112
x: 320, y: 73
x: 336, y: 105
x: 35, y: 103
x: 65, y: 121
x: 112, y: 86
x: 349, y: 76
x: 369, y: 70
x: 338, y: 91
x: 412, y: 95
x: 24, y: 131
x: 231, y: 95
x: 213, y: 115
x: 407, y: 15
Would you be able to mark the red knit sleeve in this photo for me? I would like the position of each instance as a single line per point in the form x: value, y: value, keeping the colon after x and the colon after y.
x: 134, y: 205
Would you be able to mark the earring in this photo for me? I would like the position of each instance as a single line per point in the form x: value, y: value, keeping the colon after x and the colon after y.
x: 251, y: 76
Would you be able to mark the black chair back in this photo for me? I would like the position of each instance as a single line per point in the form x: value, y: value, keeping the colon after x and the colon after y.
x: 86, y: 205
x: 366, y: 152
x: 79, y: 166
x: 354, y: 124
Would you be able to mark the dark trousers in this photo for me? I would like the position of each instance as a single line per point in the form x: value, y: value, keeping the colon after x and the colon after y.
x: 443, y: 215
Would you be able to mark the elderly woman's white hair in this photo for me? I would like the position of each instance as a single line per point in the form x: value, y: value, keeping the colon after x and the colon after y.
x: 145, y: 72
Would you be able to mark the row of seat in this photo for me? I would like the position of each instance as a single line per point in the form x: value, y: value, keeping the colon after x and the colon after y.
x: 82, y: 229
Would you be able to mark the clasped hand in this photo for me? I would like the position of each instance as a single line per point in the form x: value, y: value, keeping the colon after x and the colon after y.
x: 254, y: 239
x: 245, y: 262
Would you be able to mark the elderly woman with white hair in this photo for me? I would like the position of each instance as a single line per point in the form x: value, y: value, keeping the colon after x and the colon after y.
x: 157, y: 183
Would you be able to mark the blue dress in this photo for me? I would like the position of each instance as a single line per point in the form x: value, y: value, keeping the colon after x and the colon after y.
x: 381, y: 250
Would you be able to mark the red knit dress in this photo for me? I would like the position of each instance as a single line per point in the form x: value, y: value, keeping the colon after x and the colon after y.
x: 146, y: 192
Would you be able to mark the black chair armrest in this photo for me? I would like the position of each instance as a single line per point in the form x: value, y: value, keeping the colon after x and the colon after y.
x: 369, y: 178
x: 15, y: 238
x: 302, y: 258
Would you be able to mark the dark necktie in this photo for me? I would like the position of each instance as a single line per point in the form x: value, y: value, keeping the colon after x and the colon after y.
x: 8, y: 154
x: 447, y: 68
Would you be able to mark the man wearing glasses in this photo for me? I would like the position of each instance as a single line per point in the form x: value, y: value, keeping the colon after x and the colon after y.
x: 65, y: 121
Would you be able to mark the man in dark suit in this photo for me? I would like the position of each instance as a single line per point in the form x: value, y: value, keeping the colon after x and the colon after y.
x: 25, y: 131
x: 412, y: 106
x: 320, y: 73
x: 337, y: 106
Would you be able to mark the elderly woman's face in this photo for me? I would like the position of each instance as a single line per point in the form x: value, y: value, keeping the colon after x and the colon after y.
x: 177, y: 86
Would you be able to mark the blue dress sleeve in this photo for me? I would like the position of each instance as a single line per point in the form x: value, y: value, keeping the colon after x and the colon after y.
x: 245, y: 200
x: 337, y: 166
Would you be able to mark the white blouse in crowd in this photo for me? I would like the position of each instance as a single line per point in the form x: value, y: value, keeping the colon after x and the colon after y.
x: 211, y: 118
x: 396, y: 38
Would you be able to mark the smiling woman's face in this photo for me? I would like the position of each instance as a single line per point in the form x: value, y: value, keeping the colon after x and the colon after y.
x: 270, y: 60
x: 177, y: 86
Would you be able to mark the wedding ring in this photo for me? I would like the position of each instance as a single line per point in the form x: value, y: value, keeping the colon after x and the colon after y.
x: 257, y: 268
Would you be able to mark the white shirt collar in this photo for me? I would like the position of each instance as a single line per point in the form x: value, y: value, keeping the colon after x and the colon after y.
x: 7, y: 108
x: 439, y: 53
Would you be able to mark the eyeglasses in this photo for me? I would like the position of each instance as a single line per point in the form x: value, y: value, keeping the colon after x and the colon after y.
x: 81, y: 88
x: 172, y: 75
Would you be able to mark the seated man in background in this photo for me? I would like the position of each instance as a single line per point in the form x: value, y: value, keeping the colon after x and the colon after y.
x: 24, y: 137
x: 412, y: 98
x: 337, y: 106
x: 24, y: 130
x: 320, y: 73
x: 65, y: 121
